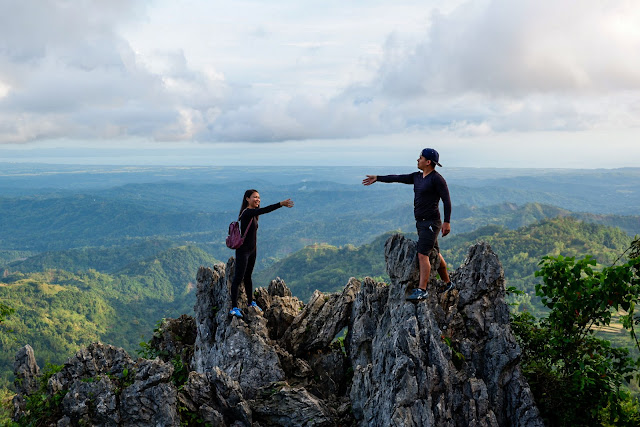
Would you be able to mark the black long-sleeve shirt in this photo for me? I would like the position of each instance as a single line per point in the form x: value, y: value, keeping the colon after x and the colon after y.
x: 427, y: 192
x: 251, y: 239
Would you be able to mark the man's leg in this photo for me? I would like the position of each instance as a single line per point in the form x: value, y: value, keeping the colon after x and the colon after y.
x: 427, y: 238
x: 425, y: 271
x: 442, y: 270
x: 444, y: 275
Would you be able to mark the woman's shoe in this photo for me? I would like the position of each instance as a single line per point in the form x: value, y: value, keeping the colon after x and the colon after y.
x: 235, y: 311
x: 253, y: 304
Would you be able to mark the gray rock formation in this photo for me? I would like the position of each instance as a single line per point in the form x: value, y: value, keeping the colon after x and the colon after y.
x: 448, y: 361
x: 216, y: 399
x: 26, y: 372
x: 240, y: 347
x: 101, y: 385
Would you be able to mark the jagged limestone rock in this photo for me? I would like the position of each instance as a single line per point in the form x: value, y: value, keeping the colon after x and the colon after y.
x: 436, y: 362
x: 240, y: 347
x: 26, y: 373
x: 321, y: 320
x: 448, y: 361
x: 280, y: 307
x: 152, y: 398
x: 278, y: 288
x: 91, y: 403
x: 330, y: 369
x: 175, y: 338
x: 25, y: 370
x: 103, y: 386
x: 243, y: 348
x: 282, y: 405
x: 216, y: 398
x: 479, y: 322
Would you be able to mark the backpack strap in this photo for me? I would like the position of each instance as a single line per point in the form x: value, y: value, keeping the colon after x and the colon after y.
x: 248, y: 226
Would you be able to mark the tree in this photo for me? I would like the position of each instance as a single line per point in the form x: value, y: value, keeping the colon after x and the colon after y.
x: 576, y: 378
x: 5, y: 311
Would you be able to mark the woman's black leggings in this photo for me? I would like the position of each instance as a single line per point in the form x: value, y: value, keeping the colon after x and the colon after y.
x: 245, y: 261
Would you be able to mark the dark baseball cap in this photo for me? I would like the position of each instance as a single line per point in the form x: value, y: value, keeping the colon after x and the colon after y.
x: 431, y: 154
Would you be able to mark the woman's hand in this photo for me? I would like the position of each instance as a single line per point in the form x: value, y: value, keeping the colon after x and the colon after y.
x: 288, y: 203
x: 370, y: 179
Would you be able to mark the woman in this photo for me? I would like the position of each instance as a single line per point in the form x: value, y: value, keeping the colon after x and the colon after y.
x: 246, y: 254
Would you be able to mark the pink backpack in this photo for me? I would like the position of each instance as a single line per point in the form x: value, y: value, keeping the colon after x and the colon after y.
x: 235, y: 239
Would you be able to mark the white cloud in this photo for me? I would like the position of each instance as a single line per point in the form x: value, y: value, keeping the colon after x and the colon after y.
x: 502, y: 47
x: 279, y: 71
x: 4, y: 89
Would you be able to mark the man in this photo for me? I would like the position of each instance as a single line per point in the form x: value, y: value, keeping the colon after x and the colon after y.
x: 429, y: 188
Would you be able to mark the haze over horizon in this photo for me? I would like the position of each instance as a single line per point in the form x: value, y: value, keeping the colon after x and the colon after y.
x: 491, y: 83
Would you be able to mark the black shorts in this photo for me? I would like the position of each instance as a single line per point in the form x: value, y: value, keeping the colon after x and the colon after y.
x: 428, y: 236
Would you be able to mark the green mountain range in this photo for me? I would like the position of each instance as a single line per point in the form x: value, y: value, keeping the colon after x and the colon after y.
x: 57, y: 311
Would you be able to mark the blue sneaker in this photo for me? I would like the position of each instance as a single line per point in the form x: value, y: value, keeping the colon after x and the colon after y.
x: 235, y: 311
x: 253, y: 304
x: 418, y: 295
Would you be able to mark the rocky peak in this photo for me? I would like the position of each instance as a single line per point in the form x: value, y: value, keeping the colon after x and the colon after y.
x: 449, y: 361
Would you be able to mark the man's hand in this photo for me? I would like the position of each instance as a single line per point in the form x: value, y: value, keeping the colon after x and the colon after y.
x: 446, y: 228
x: 370, y: 179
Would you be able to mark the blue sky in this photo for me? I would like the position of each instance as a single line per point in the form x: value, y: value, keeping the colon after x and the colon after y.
x: 489, y: 83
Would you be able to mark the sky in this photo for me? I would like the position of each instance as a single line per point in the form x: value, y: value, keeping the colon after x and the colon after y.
x: 488, y: 83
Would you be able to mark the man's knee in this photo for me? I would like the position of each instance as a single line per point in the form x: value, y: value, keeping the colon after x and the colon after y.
x: 424, y: 260
x: 422, y: 257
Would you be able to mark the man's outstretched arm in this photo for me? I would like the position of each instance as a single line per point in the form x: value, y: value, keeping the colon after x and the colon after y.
x: 403, y: 179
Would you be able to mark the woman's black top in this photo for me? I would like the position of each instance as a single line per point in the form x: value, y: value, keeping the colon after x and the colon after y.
x: 250, y: 241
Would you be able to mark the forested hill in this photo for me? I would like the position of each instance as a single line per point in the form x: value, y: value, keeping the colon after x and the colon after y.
x: 511, y: 215
x: 58, y: 311
x: 328, y: 268
x: 103, y: 259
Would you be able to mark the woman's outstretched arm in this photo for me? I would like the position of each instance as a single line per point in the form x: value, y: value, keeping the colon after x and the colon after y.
x: 249, y: 213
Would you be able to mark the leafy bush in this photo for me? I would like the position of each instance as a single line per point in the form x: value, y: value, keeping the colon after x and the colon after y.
x: 576, y: 378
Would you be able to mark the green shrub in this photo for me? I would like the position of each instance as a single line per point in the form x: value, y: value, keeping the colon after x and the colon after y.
x: 576, y: 378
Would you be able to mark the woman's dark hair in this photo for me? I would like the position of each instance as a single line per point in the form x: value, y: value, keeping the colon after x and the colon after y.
x: 244, y: 205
